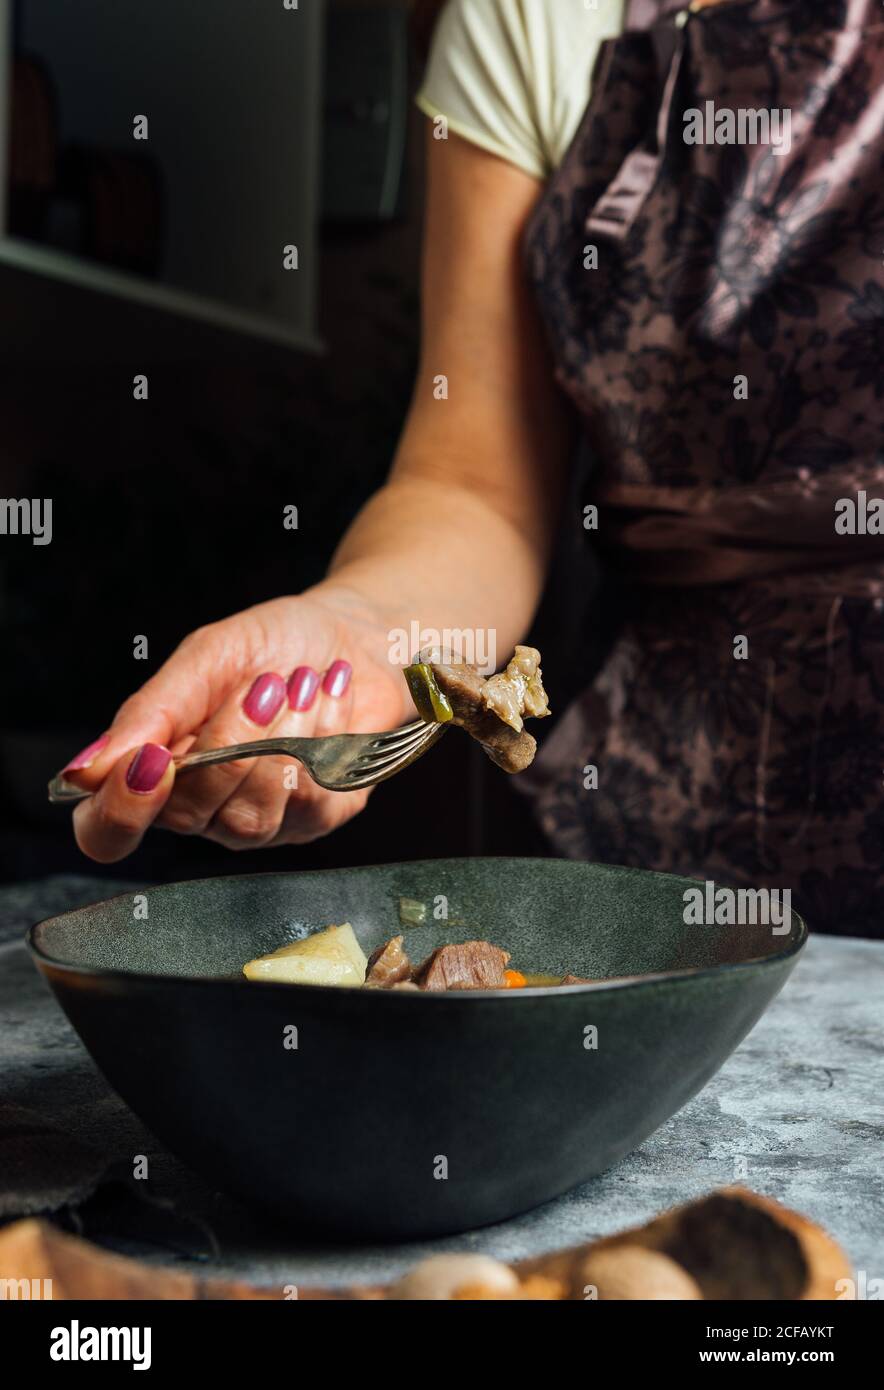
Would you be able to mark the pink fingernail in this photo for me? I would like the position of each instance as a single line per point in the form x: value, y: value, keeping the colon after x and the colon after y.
x: 265, y: 699
x: 303, y: 685
x: 88, y: 755
x: 147, y: 767
x: 337, y: 678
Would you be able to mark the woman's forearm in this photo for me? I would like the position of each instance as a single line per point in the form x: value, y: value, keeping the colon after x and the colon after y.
x: 440, y: 555
x: 460, y: 536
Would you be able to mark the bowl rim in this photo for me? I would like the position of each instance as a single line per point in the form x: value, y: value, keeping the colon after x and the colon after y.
x: 142, y: 978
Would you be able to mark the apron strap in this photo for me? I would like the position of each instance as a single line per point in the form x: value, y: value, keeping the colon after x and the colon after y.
x: 620, y: 204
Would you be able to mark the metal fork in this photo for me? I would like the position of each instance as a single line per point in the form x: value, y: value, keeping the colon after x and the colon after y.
x: 340, y: 762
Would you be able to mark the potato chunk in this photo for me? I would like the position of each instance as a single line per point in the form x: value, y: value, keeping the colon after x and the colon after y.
x: 330, y: 957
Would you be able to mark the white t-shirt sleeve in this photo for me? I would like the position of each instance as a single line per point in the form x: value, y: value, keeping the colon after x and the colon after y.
x: 513, y: 76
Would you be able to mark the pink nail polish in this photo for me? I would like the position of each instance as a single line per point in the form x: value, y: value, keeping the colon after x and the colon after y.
x: 88, y: 755
x: 303, y: 685
x: 337, y: 678
x: 265, y: 699
x: 147, y: 767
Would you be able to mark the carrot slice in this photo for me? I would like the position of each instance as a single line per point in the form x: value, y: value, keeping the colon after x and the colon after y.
x: 514, y: 979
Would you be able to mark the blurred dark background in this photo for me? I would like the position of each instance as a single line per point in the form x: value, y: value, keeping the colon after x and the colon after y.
x: 167, y: 512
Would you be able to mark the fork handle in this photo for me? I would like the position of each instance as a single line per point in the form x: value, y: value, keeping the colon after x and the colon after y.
x: 258, y: 748
x: 62, y: 791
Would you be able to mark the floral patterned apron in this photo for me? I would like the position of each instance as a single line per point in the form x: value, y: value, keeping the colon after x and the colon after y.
x: 726, y: 355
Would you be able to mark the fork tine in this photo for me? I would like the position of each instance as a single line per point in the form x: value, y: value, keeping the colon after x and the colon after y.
x: 398, y: 738
x: 414, y: 727
x: 373, y: 767
x: 392, y: 737
x: 369, y: 769
x: 381, y: 752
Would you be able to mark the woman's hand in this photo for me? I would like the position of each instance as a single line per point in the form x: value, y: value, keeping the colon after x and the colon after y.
x: 458, y: 539
x: 305, y: 666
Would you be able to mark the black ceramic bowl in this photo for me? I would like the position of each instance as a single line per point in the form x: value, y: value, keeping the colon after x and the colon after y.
x: 401, y: 1114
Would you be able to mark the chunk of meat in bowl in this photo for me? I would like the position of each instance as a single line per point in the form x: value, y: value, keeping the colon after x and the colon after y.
x: 388, y: 965
x: 471, y: 965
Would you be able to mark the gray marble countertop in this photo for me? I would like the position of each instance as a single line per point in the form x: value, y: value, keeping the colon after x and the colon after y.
x: 797, y: 1113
